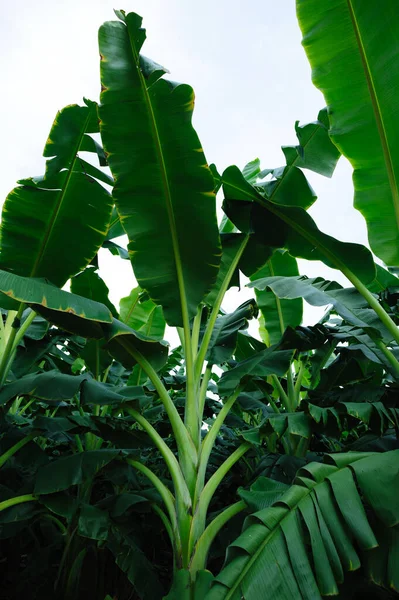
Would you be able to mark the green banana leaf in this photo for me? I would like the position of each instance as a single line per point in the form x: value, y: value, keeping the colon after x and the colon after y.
x: 302, y: 545
x: 164, y: 190
x: 291, y: 227
x: 347, y: 302
x: 277, y: 314
x: 224, y: 335
x: 72, y: 312
x: 53, y: 226
x: 263, y: 363
x: 315, y: 150
x: 61, y: 473
x: 352, y: 49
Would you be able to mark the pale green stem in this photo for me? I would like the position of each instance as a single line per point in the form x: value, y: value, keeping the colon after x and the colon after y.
x: 162, y: 490
x: 388, y: 355
x: 273, y: 405
x: 59, y: 524
x: 180, y: 333
x: 209, y: 441
x: 187, y: 451
x: 16, y: 500
x: 215, y: 310
x: 205, y: 541
x: 283, y: 395
x: 10, y: 342
x: 11, y: 451
x: 106, y: 373
x: 79, y: 443
x: 27, y: 405
x: 199, y: 518
x: 25, y: 325
x: 196, y: 331
x: 165, y: 521
x: 20, y: 334
x: 179, y: 483
x: 298, y: 383
x: 203, y: 389
x: 375, y: 305
x: 291, y: 390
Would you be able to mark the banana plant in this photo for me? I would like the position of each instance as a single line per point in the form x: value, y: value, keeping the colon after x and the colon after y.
x: 144, y: 455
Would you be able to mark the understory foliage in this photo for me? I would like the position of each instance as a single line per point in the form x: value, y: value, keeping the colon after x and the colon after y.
x: 233, y: 465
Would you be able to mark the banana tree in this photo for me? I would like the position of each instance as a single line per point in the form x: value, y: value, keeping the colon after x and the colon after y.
x: 124, y: 428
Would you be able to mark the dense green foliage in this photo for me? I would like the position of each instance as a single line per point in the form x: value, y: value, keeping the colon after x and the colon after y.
x: 232, y: 466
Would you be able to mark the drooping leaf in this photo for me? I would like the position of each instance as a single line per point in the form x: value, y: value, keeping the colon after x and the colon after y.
x: 347, y: 302
x: 67, y: 310
x: 291, y: 227
x: 351, y: 49
x: 164, y: 192
x: 71, y: 470
x: 123, y: 342
x: 261, y: 364
x: 50, y: 386
x: 224, y: 335
x: 53, y: 226
x: 315, y: 150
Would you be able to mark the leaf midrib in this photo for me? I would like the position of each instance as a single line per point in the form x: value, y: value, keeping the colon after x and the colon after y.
x: 164, y: 176
x: 61, y: 197
x: 377, y: 112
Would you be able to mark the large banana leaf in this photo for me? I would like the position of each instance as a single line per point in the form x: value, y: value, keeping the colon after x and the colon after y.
x: 301, y: 546
x: 291, y: 227
x: 164, y: 190
x: 69, y: 311
x: 53, y: 226
x: 84, y: 317
x: 352, y: 48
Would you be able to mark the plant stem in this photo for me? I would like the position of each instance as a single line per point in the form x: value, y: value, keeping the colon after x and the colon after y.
x: 196, y: 331
x: 10, y: 343
x: 203, y: 390
x: 165, y: 521
x: 388, y: 355
x: 375, y: 305
x: 168, y: 456
x: 11, y: 451
x: 199, y: 518
x: 24, y: 327
x: 59, y: 524
x: 161, y: 488
x: 283, y: 396
x: 78, y: 443
x: 186, y: 448
x: 209, y: 441
x: 205, y: 541
x: 216, y: 307
x: 16, y: 500
x: 291, y: 390
x: 298, y: 382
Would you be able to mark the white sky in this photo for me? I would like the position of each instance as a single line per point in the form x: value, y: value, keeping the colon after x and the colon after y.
x: 244, y: 60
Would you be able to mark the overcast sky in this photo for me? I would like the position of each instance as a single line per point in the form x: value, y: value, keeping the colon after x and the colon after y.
x: 244, y: 60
